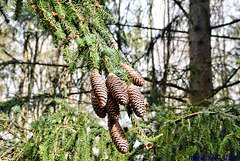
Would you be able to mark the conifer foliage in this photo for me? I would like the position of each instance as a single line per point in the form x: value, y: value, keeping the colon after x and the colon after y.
x: 80, y: 27
x: 66, y: 134
x: 82, y: 24
x: 69, y: 134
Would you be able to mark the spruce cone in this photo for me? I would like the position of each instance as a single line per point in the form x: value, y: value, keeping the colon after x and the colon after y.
x: 124, y: 85
x: 137, y: 78
x: 99, y: 88
x: 112, y: 108
x: 117, y: 89
x: 118, y: 136
x: 136, y: 100
x: 101, y: 112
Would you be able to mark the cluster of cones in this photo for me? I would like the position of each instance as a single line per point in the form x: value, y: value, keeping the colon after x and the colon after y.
x: 106, y: 99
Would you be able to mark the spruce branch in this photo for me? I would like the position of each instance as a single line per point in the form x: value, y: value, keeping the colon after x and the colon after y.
x: 92, y: 58
x: 103, y: 58
x: 147, y: 142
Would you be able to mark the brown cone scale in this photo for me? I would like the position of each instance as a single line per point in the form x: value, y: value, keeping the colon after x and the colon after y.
x: 136, y: 100
x: 112, y: 108
x: 99, y: 87
x: 101, y: 112
x: 118, y: 136
x: 137, y: 78
x: 117, y: 88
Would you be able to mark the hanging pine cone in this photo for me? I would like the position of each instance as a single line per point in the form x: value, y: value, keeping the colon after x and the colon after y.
x: 112, y: 108
x: 100, y: 111
x: 99, y: 88
x: 117, y: 89
x: 124, y: 85
x: 118, y: 136
x: 137, y: 78
x: 136, y: 100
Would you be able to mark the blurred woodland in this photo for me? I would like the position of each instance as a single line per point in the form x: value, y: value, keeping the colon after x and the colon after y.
x: 188, y: 52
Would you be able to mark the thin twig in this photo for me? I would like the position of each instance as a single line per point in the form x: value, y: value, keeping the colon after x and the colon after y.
x: 31, y: 63
x: 226, y: 24
x: 106, y: 64
x: 177, y: 31
x: 216, y: 90
x: 92, y: 58
x: 184, y: 11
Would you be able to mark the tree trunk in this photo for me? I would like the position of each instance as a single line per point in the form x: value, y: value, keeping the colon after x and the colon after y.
x: 200, y: 51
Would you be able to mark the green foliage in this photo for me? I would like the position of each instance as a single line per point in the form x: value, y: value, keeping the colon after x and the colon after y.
x: 66, y: 134
x: 214, y: 131
x: 80, y: 27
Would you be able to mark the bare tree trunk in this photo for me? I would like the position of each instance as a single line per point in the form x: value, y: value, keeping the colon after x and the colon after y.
x: 200, y: 51
x: 166, y: 55
x: 154, y: 93
x: 32, y: 71
x: 23, y: 76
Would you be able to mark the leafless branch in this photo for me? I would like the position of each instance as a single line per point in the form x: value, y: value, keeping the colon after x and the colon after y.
x: 225, y: 84
x: 4, y: 15
x: 175, y: 98
x: 225, y: 24
x: 226, y: 37
x: 170, y: 85
x: 178, y: 87
x: 184, y: 11
x: 78, y: 92
x: 5, y: 63
x: 149, y: 28
x: 177, y: 31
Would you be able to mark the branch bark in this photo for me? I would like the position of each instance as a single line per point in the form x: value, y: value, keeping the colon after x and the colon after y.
x: 148, y: 28
x: 184, y: 11
x: 4, y: 15
x: 177, y: 31
x: 226, y: 24
x: 225, y: 84
x: 170, y: 85
x: 5, y: 63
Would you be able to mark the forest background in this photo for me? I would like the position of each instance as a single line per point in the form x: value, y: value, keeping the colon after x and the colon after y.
x: 187, y: 51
